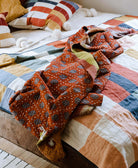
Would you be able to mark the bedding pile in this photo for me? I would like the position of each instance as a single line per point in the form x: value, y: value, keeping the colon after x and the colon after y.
x: 111, y: 128
x: 39, y: 14
x: 51, y: 20
x: 49, y: 98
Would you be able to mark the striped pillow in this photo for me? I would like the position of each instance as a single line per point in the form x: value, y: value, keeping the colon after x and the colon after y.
x: 21, y: 22
x: 39, y: 12
x: 34, y: 7
x: 6, y: 39
x: 60, y: 14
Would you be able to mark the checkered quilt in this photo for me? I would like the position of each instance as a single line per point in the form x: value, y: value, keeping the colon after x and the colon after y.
x: 108, y: 137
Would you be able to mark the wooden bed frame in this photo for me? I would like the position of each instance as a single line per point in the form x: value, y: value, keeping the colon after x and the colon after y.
x: 13, y: 131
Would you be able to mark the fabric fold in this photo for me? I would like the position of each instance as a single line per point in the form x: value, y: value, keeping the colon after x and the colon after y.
x: 73, y: 80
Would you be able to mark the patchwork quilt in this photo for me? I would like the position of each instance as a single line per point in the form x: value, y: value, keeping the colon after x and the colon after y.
x: 112, y: 128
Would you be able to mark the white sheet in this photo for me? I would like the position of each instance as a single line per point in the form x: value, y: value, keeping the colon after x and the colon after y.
x: 44, y: 37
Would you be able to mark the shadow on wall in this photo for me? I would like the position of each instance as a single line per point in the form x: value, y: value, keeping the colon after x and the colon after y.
x: 119, y: 6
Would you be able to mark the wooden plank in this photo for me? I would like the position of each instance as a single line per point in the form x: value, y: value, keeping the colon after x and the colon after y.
x: 28, y: 159
x: 10, y: 147
x: 13, y: 131
x: 29, y: 166
x: 52, y: 166
x: 40, y: 163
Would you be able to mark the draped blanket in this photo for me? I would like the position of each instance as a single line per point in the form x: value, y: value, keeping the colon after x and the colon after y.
x: 73, y: 80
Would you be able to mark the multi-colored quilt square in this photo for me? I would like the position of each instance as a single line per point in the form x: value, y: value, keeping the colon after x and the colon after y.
x: 126, y: 21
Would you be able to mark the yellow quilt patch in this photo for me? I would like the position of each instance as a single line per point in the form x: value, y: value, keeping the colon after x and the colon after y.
x: 2, y: 91
x: 17, y: 69
x: 5, y: 60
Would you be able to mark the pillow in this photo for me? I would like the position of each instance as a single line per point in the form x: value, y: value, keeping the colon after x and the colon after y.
x: 21, y: 22
x: 60, y: 14
x: 31, y: 20
x: 6, y: 39
x: 13, y: 7
x: 39, y: 12
x: 43, y: 12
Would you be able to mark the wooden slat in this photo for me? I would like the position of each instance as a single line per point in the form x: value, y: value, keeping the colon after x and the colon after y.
x: 28, y: 159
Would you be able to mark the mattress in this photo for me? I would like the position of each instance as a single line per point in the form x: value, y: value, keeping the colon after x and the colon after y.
x: 112, y: 128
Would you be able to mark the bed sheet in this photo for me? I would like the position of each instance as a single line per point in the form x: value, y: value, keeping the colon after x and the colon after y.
x: 44, y: 37
x: 109, y: 136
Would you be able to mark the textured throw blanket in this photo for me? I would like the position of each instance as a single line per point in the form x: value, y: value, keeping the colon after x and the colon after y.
x: 73, y: 80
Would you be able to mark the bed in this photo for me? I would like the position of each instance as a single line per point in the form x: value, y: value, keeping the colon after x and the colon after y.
x: 108, y: 137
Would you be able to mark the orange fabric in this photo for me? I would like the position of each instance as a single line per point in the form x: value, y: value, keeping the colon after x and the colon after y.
x: 36, y: 21
x: 52, y: 96
x: 49, y: 98
x: 41, y: 9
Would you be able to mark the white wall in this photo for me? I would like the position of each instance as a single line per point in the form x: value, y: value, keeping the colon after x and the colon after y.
x: 129, y: 7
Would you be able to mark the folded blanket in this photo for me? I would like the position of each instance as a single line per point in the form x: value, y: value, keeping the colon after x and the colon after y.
x: 73, y: 80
